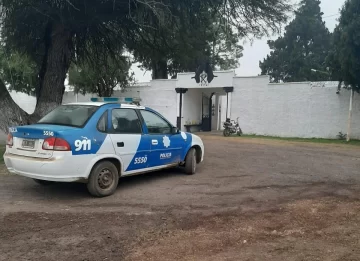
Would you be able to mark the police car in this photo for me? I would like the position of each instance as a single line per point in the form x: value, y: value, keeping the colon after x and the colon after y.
x: 98, y: 142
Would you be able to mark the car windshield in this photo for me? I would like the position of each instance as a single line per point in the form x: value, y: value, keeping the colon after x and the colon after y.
x: 69, y: 115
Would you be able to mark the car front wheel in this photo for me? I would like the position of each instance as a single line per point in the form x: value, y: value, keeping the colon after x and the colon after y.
x: 103, y: 179
x: 190, y: 162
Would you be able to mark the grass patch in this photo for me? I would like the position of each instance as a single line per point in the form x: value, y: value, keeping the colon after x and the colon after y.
x: 312, y: 140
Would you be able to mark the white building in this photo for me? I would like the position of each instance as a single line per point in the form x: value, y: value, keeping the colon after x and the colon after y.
x: 307, y: 110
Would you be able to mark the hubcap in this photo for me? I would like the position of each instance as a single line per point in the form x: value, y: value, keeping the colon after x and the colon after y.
x: 105, y: 179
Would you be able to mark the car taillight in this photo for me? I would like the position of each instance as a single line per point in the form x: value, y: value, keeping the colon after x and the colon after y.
x: 56, y: 144
x: 10, y: 140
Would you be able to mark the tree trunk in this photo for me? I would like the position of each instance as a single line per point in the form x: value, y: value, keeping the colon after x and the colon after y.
x: 99, y: 88
x: 104, y: 89
x: 339, y: 85
x: 57, y: 64
x: 109, y: 91
x: 10, y: 114
x: 47, y: 43
x: 159, y: 69
x: 52, y: 87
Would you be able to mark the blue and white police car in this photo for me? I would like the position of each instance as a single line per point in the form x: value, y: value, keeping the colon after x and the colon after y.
x: 98, y: 142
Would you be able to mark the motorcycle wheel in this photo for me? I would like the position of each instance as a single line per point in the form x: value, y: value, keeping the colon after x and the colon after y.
x: 226, y: 132
x: 239, y: 133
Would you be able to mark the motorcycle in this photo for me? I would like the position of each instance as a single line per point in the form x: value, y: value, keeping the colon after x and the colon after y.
x: 231, y: 127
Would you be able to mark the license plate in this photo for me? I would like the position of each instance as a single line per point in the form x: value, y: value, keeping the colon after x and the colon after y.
x: 28, y: 144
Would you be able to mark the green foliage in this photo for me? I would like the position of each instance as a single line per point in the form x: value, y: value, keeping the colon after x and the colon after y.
x: 103, y: 77
x: 213, y: 33
x: 183, y: 48
x: 18, y: 71
x: 304, y: 46
x: 345, y: 57
x: 332, y: 60
x: 226, y: 49
x: 341, y: 136
x: 174, y: 33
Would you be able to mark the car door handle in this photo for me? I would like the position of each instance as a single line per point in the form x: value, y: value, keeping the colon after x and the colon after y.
x: 120, y: 144
x: 154, y: 142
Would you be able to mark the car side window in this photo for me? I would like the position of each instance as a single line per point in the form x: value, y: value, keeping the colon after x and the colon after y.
x: 125, y: 121
x: 155, y: 124
x: 101, y: 126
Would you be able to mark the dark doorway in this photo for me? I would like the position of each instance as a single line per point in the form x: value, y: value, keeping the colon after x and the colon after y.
x: 206, y: 112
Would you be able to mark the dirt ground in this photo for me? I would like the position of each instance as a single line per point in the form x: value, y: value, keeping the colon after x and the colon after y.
x: 250, y: 200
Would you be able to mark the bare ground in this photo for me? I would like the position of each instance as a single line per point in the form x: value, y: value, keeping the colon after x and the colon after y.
x: 250, y: 200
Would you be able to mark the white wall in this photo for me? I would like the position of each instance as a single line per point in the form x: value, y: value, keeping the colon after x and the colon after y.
x: 215, y: 118
x: 160, y: 96
x: 287, y: 110
x: 192, y: 101
x: 71, y: 97
x: 26, y: 102
x: 292, y: 109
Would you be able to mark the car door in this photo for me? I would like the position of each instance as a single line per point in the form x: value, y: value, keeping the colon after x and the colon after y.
x: 129, y: 141
x: 165, y: 147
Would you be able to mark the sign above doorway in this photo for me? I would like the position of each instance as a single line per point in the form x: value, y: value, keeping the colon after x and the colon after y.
x: 204, y: 74
x: 204, y: 80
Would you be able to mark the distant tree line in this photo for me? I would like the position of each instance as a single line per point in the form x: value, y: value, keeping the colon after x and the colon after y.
x: 309, y: 52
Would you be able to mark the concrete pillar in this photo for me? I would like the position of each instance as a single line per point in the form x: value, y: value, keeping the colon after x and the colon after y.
x: 229, y: 105
x: 215, y: 117
x: 180, y: 92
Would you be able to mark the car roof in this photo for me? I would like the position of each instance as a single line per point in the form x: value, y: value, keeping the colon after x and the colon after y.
x: 98, y: 104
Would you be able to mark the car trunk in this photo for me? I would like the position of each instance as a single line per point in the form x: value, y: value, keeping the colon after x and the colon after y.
x: 28, y: 140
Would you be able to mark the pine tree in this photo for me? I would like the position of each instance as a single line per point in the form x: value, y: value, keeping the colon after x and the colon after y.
x: 304, y: 46
x: 344, y: 60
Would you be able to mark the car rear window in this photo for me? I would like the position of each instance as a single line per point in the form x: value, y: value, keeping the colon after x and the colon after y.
x: 69, y: 115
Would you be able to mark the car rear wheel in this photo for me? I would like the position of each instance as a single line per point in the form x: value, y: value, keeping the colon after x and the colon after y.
x: 103, y: 179
x: 190, y: 162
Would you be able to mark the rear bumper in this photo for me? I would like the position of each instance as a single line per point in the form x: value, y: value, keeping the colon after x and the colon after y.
x: 53, y: 169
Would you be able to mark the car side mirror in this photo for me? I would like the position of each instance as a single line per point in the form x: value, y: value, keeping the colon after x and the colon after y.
x: 175, y: 130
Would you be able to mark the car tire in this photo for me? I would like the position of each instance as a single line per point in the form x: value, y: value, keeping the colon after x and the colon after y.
x: 103, y: 179
x: 43, y: 182
x: 190, y: 162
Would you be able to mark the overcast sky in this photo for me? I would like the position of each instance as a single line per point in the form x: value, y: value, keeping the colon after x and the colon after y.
x: 253, y: 53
